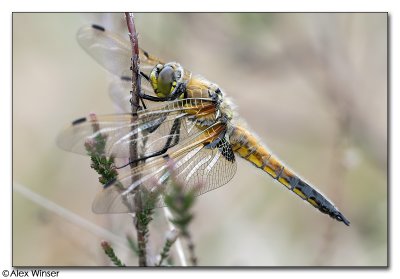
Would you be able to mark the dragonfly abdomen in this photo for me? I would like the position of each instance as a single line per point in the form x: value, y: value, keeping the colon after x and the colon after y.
x: 248, y: 147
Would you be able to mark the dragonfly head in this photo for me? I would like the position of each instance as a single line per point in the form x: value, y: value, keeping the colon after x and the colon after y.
x: 164, y: 78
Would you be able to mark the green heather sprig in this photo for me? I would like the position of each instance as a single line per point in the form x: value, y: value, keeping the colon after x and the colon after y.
x: 143, y: 217
x: 104, y: 166
x: 110, y: 253
x: 170, y: 239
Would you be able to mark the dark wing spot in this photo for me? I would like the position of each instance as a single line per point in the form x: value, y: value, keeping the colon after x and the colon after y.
x: 125, y: 78
x: 146, y: 53
x: 98, y: 27
x: 226, y: 150
x: 78, y: 121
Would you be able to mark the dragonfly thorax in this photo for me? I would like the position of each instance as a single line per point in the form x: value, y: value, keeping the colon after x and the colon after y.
x: 165, y: 78
x: 226, y: 110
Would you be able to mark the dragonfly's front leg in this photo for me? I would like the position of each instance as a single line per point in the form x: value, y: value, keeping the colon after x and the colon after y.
x: 172, y: 140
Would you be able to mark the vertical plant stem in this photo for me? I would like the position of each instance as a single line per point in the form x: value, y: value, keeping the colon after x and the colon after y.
x: 133, y: 149
x: 136, y: 82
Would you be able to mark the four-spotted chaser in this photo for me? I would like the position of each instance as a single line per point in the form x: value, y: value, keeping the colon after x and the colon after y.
x: 193, y: 124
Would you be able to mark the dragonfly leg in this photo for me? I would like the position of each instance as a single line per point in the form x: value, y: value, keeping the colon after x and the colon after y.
x: 146, y: 77
x: 161, y: 120
x: 171, y: 142
x: 152, y: 98
x: 138, y: 107
x: 126, y: 78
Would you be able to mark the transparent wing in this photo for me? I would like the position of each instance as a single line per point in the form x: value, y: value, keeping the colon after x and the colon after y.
x: 119, y: 91
x: 112, y: 51
x: 206, y: 168
x: 151, y: 127
x: 196, y: 166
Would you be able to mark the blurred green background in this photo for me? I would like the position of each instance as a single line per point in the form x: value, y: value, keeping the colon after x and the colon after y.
x: 312, y: 86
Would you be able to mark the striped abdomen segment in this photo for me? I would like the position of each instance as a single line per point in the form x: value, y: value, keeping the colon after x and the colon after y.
x: 248, y: 147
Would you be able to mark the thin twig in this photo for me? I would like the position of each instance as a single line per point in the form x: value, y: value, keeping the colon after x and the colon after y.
x: 133, y: 148
x: 136, y: 82
x: 143, y: 214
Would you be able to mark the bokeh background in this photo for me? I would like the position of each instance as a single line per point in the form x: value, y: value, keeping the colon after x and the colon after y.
x: 312, y: 86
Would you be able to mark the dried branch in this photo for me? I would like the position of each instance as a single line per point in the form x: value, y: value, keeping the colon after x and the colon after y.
x: 140, y: 221
x: 136, y: 82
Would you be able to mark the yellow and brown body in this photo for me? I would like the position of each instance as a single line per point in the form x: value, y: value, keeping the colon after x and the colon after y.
x: 248, y: 147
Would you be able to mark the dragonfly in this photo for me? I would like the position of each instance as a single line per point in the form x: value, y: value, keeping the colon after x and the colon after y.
x: 191, y: 123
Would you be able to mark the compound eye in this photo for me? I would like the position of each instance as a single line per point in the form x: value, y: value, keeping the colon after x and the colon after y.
x: 166, y: 81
